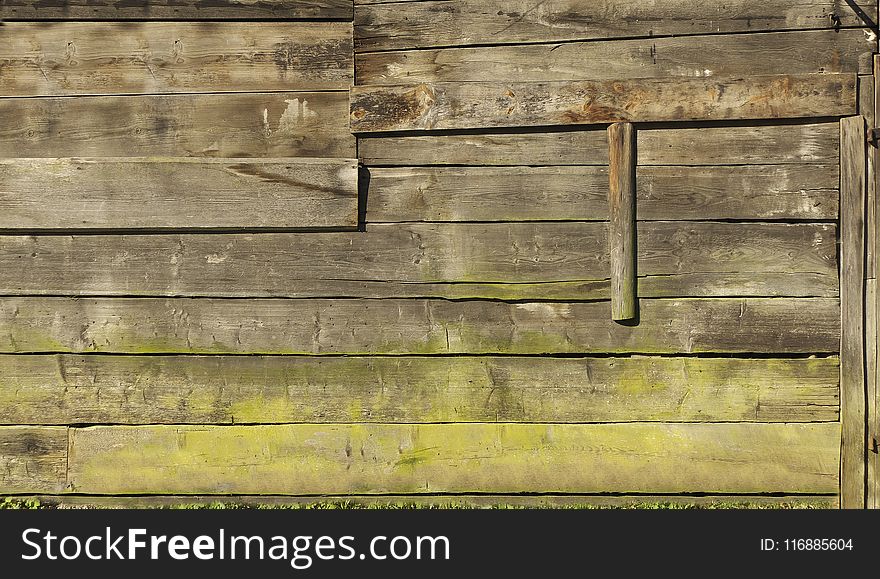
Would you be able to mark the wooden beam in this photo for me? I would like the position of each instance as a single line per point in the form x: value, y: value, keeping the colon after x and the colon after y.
x: 175, y: 10
x: 177, y: 193
x: 397, y: 327
x: 274, y: 124
x: 474, y: 105
x: 873, y: 307
x: 809, y: 142
x: 456, y: 458
x: 493, y: 260
x: 87, y: 389
x: 808, y: 192
x: 33, y: 459
x: 809, y: 51
x: 429, y: 23
x: 853, y: 165
x: 90, y: 58
x: 622, y: 215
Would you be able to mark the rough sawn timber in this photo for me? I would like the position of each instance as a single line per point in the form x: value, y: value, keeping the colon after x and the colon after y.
x: 86, y: 389
x: 455, y: 458
x: 182, y: 192
x: 389, y: 326
x: 473, y: 105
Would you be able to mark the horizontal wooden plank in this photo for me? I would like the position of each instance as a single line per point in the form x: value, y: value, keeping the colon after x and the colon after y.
x: 453, y: 458
x: 701, y: 257
x: 472, y: 105
x: 815, y: 51
x: 183, y: 192
x: 175, y: 9
x: 210, y: 125
x: 472, y: 501
x: 399, y: 25
x: 700, y: 145
x: 720, y: 284
x: 339, y: 326
x: 581, y: 193
x: 70, y: 58
x: 74, y: 389
x: 33, y: 459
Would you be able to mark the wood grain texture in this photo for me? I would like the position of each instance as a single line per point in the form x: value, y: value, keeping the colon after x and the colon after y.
x: 453, y: 458
x: 73, y: 389
x: 207, y: 326
x: 174, y: 9
x: 186, y: 192
x: 853, y: 164
x: 424, y: 24
x: 459, y: 500
x: 472, y: 105
x: 622, y: 220
x: 218, y: 125
x: 706, y: 258
x: 517, y: 193
x: 816, y: 51
x: 694, y: 145
x: 872, y: 466
x: 70, y: 58
x: 33, y: 459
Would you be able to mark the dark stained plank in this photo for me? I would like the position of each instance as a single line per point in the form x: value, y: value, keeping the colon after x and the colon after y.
x: 84, y: 389
x: 174, y: 9
x: 455, y: 458
x: 70, y: 58
x: 622, y: 220
x: 424, y: 24
x: 210, y: 125
x: 388, y: 326
x: 696, y: 145
x: 472, y: 105
x: 33, y: 459
x: 184, y: 192
x: 853, y: 164
x: 815, y: 51
x: 710, y: 258
x: 561, y: 193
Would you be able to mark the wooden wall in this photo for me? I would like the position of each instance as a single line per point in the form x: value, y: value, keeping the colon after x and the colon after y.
x: 197, y: 301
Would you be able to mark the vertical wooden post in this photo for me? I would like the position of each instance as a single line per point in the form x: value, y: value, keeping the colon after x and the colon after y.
x: 872, y: 305
x: 853, y: 163
x: 622, y: 205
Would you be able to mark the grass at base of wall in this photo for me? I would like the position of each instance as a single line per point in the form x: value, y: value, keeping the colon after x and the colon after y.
x: 30, y: 503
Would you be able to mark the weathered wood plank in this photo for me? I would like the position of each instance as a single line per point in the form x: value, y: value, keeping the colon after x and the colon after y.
x: 452, y: 458
x: 873, y: 392
x: 175, y: 9
x: 867, y: 108
x: 765, y: 192
x: 275, y: 264
x: 815, y: 51
x: 337, y: 326
x: 622, y: 220
x: 721, y: 284
x: 701, y: 145
x: 183, y: 192
x: 471, y: 105
x: 33, y: 459
x: 210, y: 125
x: 853, y: 164
x: 72, y: 389
x: 70, y: 58
x: 402, y: 25
x: 458, y: 500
